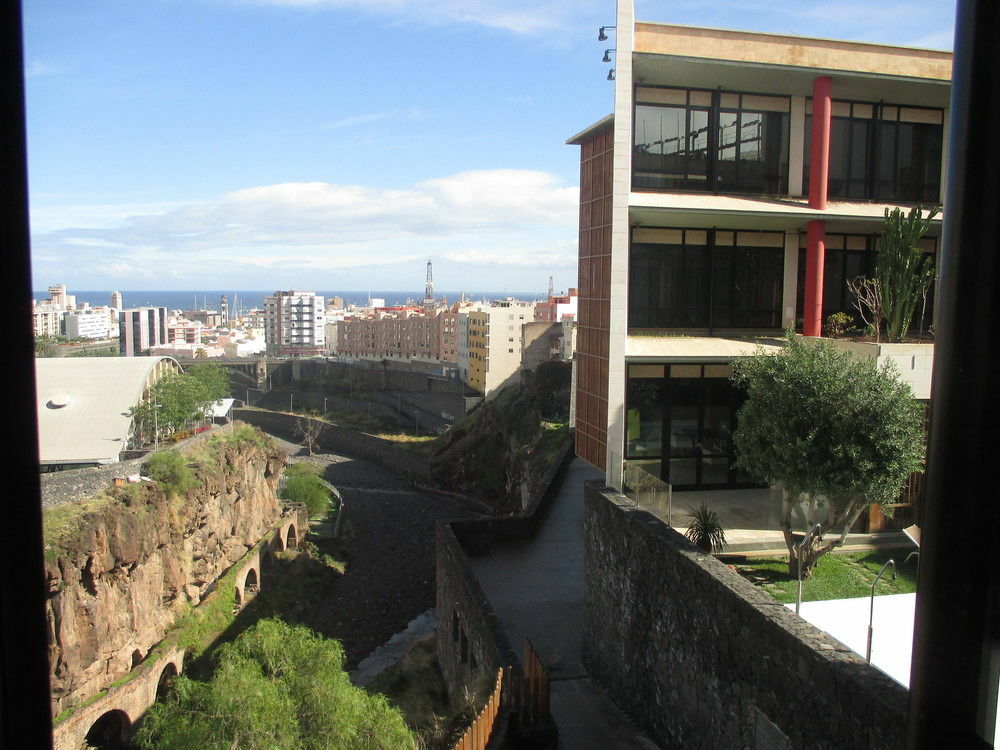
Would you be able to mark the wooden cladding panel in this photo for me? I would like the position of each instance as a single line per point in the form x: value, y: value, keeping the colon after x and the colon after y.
x: 593, y: 328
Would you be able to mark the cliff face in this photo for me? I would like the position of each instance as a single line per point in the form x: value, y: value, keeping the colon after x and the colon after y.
x: 120, y: 568
x: 500, y: 452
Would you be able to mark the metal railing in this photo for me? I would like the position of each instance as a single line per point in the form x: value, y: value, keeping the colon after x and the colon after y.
x: 647, y: 491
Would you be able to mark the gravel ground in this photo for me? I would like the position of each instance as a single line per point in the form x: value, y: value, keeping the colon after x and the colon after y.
x: 390, y: 574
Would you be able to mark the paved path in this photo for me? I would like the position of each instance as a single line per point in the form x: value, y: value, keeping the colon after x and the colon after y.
x: 536, y: 589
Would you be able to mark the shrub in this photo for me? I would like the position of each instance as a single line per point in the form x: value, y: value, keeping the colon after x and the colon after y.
x: 169, y: 469
x: 838, y: 324
x: 303, y: 485
x: 276, y: 686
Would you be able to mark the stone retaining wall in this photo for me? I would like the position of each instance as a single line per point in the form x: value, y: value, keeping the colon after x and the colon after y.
x: 460, y: 594
x: 701, y: 658
x: 341, y: 440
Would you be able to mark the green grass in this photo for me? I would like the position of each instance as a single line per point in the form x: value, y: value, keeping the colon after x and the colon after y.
x: 837, y: 576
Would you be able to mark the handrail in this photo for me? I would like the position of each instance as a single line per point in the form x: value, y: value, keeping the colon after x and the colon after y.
x: 871, y: 610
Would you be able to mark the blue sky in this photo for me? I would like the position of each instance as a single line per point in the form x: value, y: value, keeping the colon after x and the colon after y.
x: 339, y: 144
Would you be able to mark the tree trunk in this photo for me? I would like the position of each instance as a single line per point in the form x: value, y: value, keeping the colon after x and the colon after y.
x: 840, y: 512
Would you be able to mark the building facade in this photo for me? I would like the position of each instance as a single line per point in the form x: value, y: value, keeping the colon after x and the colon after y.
x: 294, y: 324
x: 739, y: 184
x: 140, y: 329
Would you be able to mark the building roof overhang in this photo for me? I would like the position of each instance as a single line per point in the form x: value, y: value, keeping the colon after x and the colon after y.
x: 605, y: 123
x: 696, y: 348
x: 657, y: 209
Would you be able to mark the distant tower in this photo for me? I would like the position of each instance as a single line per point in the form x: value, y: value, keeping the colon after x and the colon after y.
x: 224, y: 308
x: 550, y: 286
x: 116, y: 300
x: 429, y: 286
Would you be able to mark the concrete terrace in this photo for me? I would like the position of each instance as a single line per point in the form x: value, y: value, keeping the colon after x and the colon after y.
x: 536, y: 589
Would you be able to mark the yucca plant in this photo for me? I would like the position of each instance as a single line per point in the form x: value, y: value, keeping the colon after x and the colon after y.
x: 705, y: 529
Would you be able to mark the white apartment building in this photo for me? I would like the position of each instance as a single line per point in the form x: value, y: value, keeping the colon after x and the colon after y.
x: 294, y: 324
x: 46, y: 319
x: 88, y: 323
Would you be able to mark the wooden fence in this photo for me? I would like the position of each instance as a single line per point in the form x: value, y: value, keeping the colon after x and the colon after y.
x: 534, y: 708
x: 478, y: 735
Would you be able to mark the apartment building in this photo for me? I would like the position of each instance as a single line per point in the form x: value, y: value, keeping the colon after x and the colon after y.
x: 90, y: 323
x: 46, y: 319
x: 557, y: 306
x: 141, y: 328
x: 181, y: 331
x: 495, y: 344
x: 294, y: 324
x: 739, y: 184
x: 403, y: 332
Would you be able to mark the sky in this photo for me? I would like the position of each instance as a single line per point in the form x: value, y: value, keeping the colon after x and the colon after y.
x: 340, y: 144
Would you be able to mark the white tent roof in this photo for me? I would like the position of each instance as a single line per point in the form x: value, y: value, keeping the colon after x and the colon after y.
x: 93, y: 425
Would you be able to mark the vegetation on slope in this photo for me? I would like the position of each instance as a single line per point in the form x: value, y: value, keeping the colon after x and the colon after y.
x: 275, y: 687
x: 500, y: 452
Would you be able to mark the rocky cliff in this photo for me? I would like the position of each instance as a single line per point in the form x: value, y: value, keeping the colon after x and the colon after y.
x: 501, y: 451
x: 122, y: 565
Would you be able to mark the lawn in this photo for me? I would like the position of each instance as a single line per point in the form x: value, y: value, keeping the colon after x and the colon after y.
x: 837, y: 576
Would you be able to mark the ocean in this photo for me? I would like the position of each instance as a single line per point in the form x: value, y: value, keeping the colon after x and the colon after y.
x: 248, y: 300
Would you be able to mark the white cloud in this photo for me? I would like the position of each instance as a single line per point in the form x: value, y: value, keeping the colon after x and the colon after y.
x: 508, y: 217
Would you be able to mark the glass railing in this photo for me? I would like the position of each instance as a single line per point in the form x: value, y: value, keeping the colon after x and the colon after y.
x: 647, y: 490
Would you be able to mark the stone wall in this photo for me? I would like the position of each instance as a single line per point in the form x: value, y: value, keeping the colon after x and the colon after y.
x: 341, y: 440
x: 120, y: 573
x: 470, y: 642
x: 475, y: 636
x: 701, y: 658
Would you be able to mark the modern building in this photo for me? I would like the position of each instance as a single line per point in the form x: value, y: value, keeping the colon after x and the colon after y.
x: 116, y: 300
x: 141, y: 328
x: 89, y: 323
x: 293, y: 324
x: 736, y: 188
x: 83, y: 406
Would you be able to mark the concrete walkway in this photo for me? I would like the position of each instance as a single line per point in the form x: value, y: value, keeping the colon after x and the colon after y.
x: 536, y: 589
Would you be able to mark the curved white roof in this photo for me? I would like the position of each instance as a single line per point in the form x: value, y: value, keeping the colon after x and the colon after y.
x: 92, y: 424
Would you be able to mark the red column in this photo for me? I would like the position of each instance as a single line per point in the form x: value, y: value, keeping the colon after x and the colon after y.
x: 819, y: 169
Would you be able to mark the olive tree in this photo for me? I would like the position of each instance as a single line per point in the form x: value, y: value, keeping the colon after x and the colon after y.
x: 836, y: 431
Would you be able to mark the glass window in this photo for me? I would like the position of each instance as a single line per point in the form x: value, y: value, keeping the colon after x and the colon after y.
x: 710, y: 141
x: 880, y: 152
x: 707, y: 280
x: 670, y: 148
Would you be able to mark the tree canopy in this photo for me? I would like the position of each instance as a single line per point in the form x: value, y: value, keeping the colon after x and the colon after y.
x: 276, y: 687
x: 179, y: 398
x: 835, y: 430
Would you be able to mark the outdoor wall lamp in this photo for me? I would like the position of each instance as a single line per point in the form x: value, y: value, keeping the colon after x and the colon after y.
x: 607, y: 55
x: 601, y: 36
x: 611, y: 74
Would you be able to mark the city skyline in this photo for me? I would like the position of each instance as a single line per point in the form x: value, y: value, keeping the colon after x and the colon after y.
x: 205, y: 144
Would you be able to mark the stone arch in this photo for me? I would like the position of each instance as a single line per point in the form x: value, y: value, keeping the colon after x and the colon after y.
x: 248, y: 589
x: 291, y: 541
x: 166, y: 681
x: 110, y: 731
